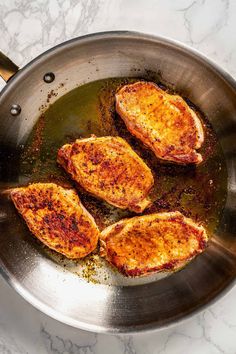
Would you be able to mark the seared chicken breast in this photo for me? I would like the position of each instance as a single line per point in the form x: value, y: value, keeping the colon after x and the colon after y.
x: 108, y: 168
x: 163, y: 122
x: 152, y: 243
x: 56, y: 217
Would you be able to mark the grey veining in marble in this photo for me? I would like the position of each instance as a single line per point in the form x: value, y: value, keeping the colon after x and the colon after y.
x: 29, y: 27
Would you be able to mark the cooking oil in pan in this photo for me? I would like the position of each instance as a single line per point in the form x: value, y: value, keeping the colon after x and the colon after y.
x: 198, y: 192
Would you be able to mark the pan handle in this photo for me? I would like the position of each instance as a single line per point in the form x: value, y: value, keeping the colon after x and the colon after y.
x: 7, y: 67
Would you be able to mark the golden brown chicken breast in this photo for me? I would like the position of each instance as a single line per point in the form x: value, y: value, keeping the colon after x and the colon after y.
x: 152, y: 243
x: 56, y: 217
x: 163, y: 122
x: 108, y: 168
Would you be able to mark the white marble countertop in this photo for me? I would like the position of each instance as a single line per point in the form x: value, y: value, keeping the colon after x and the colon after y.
x: 27, y: 28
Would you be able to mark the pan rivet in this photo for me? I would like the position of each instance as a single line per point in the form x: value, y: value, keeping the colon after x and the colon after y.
x: 49, y: 77
x: 15, y: 109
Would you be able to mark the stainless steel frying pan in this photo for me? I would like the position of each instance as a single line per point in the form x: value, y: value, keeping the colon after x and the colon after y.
x: 129, y: 307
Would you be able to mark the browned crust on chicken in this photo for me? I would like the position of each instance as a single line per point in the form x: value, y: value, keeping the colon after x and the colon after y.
x: 152, y: 243
x: 163, y: 122
x: 56, y: 217
x: 108, y: 168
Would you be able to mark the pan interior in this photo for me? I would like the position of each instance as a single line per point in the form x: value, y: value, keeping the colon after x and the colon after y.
x: 198, y: 192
